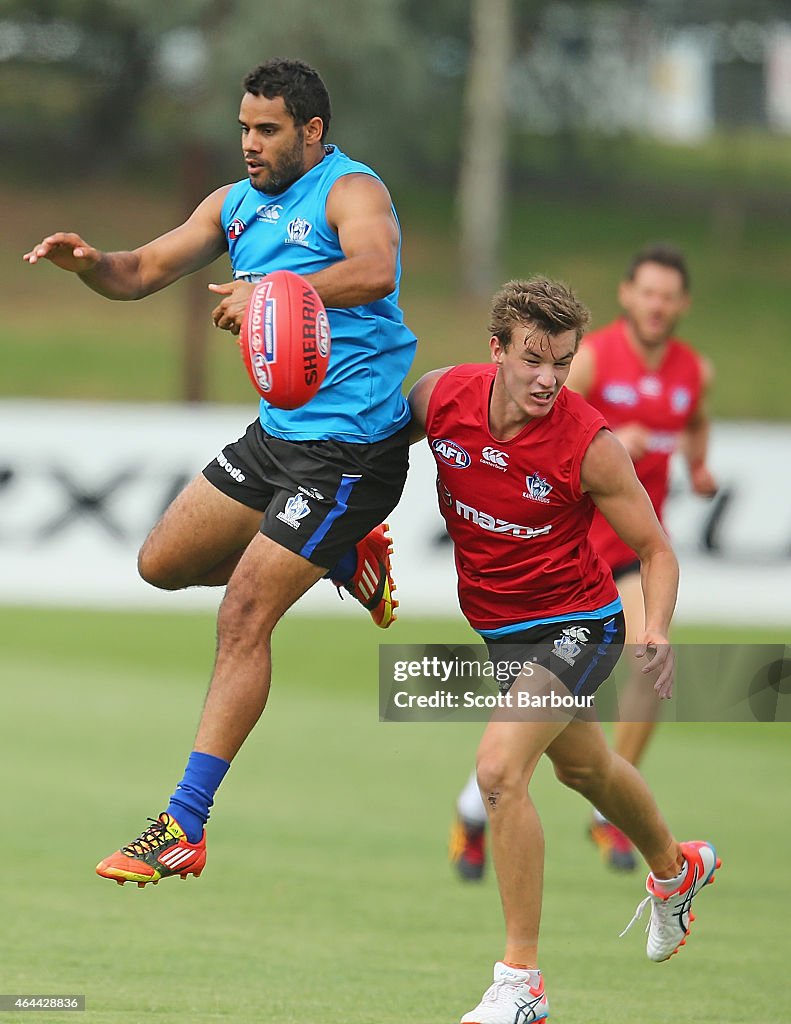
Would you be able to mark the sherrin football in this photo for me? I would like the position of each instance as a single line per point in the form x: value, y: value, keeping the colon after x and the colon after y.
x: 285, y: 339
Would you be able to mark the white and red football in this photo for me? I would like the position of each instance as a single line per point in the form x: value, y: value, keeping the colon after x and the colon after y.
x: 285, y: 339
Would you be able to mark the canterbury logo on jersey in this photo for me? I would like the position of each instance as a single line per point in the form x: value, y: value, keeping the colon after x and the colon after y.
x: 268, y: 213
x: 487, y: 522
x: 494, y: 457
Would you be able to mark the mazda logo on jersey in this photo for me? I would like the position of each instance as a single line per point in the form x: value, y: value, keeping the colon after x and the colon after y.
x: 491, y: 524
x: 450, y: 453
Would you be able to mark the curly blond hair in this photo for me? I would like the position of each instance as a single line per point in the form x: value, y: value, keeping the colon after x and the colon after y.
x: 549, y: 306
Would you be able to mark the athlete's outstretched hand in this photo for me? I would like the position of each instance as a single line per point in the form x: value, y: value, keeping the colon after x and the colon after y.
x: 228, y: 315
x: 660, y: 659
x: 66, y: 250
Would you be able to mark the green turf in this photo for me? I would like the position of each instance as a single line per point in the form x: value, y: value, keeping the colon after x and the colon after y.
x: 327, y: 895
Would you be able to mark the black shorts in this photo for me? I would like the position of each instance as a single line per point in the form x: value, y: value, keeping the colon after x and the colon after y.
x: 581, y: 653
x: 318, y: 498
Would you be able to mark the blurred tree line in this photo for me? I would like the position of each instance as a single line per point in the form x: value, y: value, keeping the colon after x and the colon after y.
x: 109, y: 82
x: 480, y: 96
x: 126, y: 82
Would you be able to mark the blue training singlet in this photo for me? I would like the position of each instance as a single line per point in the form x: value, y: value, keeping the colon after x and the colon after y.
x: 360, y: 400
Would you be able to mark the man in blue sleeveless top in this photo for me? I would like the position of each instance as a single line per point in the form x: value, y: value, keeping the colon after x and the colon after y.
x: 297, y: 495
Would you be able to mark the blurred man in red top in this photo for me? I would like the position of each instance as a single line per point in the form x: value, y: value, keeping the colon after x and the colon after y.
x: 650, y: 387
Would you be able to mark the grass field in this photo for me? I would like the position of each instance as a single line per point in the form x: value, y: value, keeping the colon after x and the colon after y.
x: 327, y: 896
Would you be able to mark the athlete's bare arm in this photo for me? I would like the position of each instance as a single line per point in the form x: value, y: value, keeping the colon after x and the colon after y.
x: 151, y: 267
x: 607, y: 474
x: 695, y: 439
x: 419, y: 398
x: 359, y: 209
x: 633, y: 436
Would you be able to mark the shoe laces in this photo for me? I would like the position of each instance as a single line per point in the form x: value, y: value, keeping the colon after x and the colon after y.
x: 151, y: 838
x: 492, y: 993
x: 638, y: 914
x: 661, y: 916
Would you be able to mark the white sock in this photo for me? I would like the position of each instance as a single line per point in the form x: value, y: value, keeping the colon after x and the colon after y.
x: 470, y: 804
x: 527, y: 975
x: 667, y: 886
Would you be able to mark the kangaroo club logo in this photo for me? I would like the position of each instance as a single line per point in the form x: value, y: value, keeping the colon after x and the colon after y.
x: 298, y: 230
x: 680, y: 400
x: 570, y: 643
x: 296, y: 508
x: 537, y: 488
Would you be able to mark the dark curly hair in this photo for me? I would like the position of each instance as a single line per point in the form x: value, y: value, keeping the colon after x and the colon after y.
x: 304, y: 93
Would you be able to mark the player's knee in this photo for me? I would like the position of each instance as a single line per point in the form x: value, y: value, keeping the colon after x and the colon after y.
x: 156, y: 572
x: 498, y: 774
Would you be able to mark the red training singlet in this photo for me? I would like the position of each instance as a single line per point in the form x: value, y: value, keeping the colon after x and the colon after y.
x: 514, y: 509
x: 663, y: 401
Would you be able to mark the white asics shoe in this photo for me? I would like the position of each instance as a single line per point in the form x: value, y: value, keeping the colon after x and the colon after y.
x: 515, y: 997
x: 672, y: 915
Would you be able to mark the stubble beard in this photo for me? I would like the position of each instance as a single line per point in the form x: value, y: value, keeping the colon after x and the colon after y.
x: 289, y: 168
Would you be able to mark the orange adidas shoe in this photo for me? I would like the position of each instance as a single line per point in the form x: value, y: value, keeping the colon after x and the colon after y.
x: 159, y: 851
x: 372, y: 583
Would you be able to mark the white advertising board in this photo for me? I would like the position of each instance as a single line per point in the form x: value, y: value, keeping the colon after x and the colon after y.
x: 81, y: 485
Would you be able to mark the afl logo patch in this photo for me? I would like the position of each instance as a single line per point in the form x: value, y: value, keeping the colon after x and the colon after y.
x: 235, y: 228
x: 450, y: 453
x: 323, y: 334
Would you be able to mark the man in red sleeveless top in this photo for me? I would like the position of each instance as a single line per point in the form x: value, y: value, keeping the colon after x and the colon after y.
x: 650, y: 387
x: 522, y: 466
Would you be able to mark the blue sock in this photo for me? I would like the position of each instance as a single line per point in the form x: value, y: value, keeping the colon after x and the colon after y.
x: 345, y: 568
x: 194, y: 795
